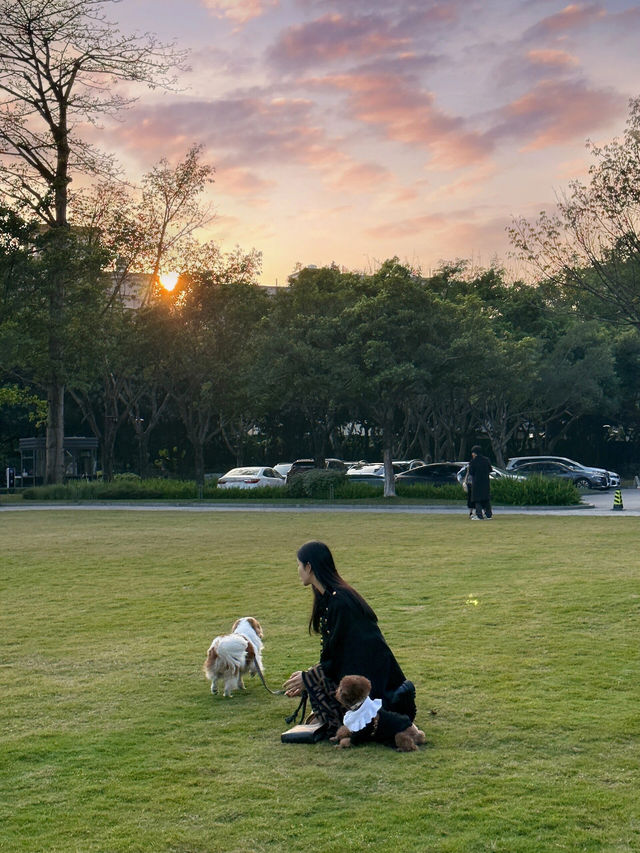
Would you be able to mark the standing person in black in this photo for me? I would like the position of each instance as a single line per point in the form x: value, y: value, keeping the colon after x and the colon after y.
x: 467, y: 485
x: 352, y: 644
x: 479, y: 470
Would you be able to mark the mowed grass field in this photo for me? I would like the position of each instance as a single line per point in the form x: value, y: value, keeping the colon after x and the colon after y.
x: 522, y: 635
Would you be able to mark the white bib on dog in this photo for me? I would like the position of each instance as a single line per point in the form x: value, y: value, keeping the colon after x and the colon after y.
x: 362, y: 716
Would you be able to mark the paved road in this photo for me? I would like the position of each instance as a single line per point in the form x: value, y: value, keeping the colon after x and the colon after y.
x: 594, y: 504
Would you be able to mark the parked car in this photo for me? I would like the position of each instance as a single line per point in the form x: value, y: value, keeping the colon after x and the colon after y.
x: 300, y: 465
x: 436, y: 474
x: 583, y: 479
x: 334, y: 465
x: 613, y: 479
x: 407, y: 464
x: 283, y: 468
x: 495, y: 474
x: 250, y: 478
x: 364, y: 472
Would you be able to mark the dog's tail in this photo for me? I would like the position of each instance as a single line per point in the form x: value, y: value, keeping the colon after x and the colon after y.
x: 229, y: 653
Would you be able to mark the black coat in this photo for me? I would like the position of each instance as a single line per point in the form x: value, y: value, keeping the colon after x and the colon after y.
x: 479, y: 470
x: 383, y: 728
x: 352, y: 644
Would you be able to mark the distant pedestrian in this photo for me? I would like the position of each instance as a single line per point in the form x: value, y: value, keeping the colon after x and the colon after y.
x: 479, y: 470
x: 466, y: 485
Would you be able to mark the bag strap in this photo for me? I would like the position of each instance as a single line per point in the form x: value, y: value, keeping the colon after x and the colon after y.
x: 292, y: 718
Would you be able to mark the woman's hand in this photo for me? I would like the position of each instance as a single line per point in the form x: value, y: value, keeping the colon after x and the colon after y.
x: 293, y: 686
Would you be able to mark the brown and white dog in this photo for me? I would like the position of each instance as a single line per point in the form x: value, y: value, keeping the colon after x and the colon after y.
x: 366, y: 719
x: 230, y: 656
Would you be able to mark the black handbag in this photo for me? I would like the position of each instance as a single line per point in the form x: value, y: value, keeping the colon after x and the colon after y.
x: 311, y: 731
x: 305, y: 733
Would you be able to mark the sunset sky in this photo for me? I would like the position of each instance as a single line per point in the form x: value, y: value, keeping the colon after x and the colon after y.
x: 353, y: 130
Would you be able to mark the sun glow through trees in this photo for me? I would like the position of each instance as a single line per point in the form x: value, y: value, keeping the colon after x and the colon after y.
x: 169, y: 280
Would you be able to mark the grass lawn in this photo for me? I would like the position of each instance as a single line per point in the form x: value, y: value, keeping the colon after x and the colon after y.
x: 523, y: 635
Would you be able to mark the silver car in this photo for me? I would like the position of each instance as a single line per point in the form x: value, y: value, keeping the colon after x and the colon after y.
x: 591, y: 475
x: 250, y: 477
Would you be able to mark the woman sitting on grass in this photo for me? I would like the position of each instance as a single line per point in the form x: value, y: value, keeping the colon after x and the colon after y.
x: 351, y: 644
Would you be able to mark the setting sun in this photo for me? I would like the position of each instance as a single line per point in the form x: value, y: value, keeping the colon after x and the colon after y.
x: 169, y: 280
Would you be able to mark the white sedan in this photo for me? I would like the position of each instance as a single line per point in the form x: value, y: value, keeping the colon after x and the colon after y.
x: 250, y: 478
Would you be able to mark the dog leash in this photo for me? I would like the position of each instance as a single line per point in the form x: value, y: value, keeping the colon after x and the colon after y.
x: 273, y: 692
x: 302, y: 706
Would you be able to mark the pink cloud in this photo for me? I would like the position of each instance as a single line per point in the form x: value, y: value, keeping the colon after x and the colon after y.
x: 240, y: 11
x: 534, y: 66
x: 552, y: 59
x: 407, y: 195
x: 362, y: 177
x: 240, y: 130
x: 415, y: 19
x: 238, y: 181
x: 554, y: 112
x: 627, y: 21
x: 363, y: 30
x: 474, y: 234
x: 482, y: 239
x: 334, y: 37
x: 411, y: 227
x: 573, y: 17
x: 245, y: 139
x: 407, y: 115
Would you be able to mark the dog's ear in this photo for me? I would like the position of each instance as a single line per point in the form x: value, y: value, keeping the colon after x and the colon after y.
x: 235, y: 625
x: 257, y: 627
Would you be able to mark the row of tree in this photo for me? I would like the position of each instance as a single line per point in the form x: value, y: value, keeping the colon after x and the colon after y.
x: 338, y: 363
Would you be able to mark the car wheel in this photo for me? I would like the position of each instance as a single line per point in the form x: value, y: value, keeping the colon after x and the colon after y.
x: 583, y: 483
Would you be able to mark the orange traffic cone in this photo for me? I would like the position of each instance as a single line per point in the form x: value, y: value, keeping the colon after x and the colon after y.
x: 617, y: 500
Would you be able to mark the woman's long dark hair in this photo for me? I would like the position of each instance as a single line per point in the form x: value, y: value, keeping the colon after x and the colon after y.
x: 320, y: 558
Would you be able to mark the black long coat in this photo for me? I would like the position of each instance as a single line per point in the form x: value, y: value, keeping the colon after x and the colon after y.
x: 479, y: 469
x: 352, y: 644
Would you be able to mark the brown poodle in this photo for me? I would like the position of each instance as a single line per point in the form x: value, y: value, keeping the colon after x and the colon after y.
x: 365, y: 719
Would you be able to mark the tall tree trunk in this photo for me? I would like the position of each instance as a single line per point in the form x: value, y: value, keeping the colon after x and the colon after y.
x: 198, y: 451
x: 55, y: 391
x: 143, y: 454
x: 389, y: 478
x: 108, y: 451
x: 55, y: 433
x: 54, y: 465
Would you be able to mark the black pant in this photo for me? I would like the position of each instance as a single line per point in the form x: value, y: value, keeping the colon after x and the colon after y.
x: 483, y: 505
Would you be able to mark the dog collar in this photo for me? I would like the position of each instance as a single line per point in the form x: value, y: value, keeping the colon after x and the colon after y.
x: 362, y: 716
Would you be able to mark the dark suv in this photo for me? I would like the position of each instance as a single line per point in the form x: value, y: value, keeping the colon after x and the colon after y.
x: 583, y: 479
x: 611, y: 477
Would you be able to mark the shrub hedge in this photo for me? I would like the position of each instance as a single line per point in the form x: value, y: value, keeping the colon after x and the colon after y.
x: 314, y: 485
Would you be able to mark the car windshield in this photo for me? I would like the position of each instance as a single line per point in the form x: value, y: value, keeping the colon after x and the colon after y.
x: 242, y: 472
